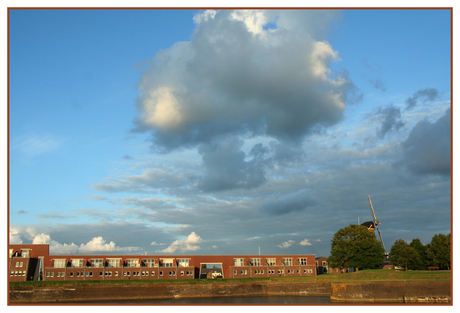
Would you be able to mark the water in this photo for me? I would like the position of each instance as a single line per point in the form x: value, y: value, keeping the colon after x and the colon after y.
x: 262, y: 300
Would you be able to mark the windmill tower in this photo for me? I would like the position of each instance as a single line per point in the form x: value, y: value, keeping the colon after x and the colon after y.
x: 376, y: 222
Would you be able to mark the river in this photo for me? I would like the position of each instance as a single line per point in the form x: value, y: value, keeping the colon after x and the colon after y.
x: 262, y: 300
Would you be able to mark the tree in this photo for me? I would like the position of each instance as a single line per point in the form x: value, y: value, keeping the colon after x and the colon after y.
x: 404, y: 255
x: 422, y: 262
x: 438, y: 251
x: 355, y: 246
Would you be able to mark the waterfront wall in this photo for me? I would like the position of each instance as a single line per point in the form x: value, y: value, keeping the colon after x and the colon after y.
x: 414, y: 291
x: 387, y: 291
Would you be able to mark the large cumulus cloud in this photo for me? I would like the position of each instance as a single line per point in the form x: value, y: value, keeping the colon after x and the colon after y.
x: 238, y: 76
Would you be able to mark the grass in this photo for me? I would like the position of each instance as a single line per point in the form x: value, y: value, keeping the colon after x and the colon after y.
x: 361, y: 276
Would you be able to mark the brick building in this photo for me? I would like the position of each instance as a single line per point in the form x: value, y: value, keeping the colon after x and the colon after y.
x: 33, y: 262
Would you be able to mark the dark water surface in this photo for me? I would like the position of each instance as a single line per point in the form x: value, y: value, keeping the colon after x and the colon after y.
x: 262, y: 300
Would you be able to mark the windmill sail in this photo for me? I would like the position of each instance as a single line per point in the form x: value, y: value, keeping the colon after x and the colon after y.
x: 376, y: 222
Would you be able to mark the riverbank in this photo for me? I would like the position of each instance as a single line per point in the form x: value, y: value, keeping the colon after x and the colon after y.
x: 361, y: 287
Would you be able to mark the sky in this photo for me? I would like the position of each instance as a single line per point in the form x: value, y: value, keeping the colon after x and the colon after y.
x: 227, y: 131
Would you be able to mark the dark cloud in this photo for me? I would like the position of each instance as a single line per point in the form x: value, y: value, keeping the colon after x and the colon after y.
x: 424, y: 95
x: 390, y: 119
x: 294, y: 202
x: 378, y: 84
x: 226, y: 166
x: 127, y: 157
x: 233, y: 77
x: 286, y: 152
x: 54, y: 216
x: 427, y: 149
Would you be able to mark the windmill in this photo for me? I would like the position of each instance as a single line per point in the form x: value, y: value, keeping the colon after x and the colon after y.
x: 376, y: 222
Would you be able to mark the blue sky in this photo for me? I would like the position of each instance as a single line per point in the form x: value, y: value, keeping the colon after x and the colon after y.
x: 219, y: 132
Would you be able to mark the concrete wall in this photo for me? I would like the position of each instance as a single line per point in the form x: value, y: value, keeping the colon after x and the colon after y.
x: 389, y: 292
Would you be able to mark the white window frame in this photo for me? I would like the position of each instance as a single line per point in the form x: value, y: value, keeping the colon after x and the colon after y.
x: 97, y: 262
x: 59, y: 263
x: 132, y: 263
x: 113, y: 262
x: 255, y: 261
x: 271, y: 261
x: 184, y: 262
x: 167, y: 262
x: 239, y: 262
x: 149, y: 262
x: 76, y: 263
x: 287, y: 261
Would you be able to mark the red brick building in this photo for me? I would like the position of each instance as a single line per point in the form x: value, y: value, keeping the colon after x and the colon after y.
x: 33, y: 262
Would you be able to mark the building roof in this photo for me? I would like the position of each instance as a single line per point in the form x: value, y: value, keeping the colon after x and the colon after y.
x: 369, y: 224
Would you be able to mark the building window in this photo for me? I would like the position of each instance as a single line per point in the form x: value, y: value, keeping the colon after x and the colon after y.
x: 149, y: 262
x: 96, y: 262
x: 287, y: 261
x: 59, y: 263
x: 113, y: 262
x: 255, y: 262
x: 153, y: 273
x: 25, y: 253
x: 324, y: 264
x: 71, y: 274
x: 76, y: 263
x: 167, y: 262
x: 161, y: 273
x: 181, y: 273
x: 132, y: 263
x: 271, y: 261
x: 303, y: 261
x: 184, y: 262
x: 239, y: 262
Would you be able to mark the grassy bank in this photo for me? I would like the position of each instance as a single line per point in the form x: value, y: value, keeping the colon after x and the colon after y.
x: 361, y: 276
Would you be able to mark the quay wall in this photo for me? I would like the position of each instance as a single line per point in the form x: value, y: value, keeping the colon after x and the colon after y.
x: 365, y: 292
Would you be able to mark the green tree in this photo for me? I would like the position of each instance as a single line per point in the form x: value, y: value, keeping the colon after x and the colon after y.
x: 404, y: 255
x: 355, y: 246
x: 438, y: 251
x: 422, y: 262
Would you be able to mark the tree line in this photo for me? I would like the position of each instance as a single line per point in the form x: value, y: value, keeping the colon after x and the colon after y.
x: 417, y: 256
x: 355, y: 246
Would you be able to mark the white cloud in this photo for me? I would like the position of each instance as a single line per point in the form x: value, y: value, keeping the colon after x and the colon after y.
x: 34, y: 144
x: 95, y: 245
x: 15, y: 237
x: 286, y: 244
x: 189, y: 244
x: 305, y: 242
x: 280, y: 78
x: 205, y: 16
x: 154, y: 243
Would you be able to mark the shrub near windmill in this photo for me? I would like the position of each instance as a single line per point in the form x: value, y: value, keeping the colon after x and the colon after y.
x: 355, y: 246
